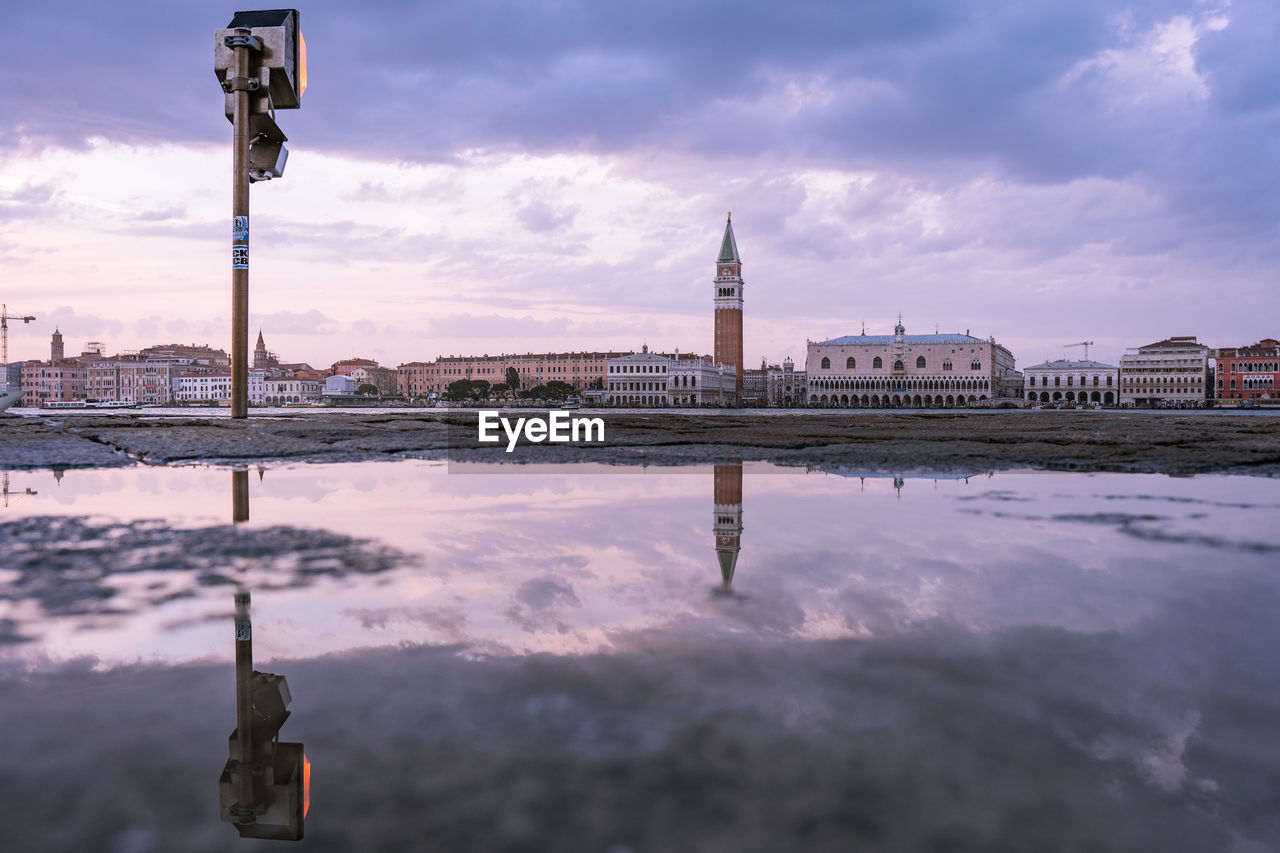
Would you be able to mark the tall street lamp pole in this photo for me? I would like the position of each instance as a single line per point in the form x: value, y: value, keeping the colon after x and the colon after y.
x: 261, y: 62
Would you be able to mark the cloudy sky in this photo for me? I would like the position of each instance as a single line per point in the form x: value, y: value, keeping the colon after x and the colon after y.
x: 470, y: 176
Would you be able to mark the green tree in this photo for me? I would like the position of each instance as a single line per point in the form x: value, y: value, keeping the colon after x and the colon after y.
x: 480, y: 389
x: 513, y: 379
x: 557, y: 390
x: 500, y: 390
x: 367, y: 389
x: 458, y: 390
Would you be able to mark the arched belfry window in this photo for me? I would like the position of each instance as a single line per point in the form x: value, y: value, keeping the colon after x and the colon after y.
x: 976, y: 365
x: 878, y: 363
x: 826, y: 363
x: 920, y: 362
x: 849, y: 363
x: 946, y: 365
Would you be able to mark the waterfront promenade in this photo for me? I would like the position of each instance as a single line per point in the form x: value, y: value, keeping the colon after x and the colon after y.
x: 1135, y: 441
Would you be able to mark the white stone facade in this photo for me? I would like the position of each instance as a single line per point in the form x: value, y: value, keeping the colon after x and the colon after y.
x: 901, y: 370
x: 1064, y: 381
x: 203, y: 388
x: 638, y: 379
x: 700, y: 383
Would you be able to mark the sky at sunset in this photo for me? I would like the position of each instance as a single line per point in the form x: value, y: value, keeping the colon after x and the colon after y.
x: 477, y: 177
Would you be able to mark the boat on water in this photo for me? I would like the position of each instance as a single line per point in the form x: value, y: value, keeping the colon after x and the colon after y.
x: 9, y: 397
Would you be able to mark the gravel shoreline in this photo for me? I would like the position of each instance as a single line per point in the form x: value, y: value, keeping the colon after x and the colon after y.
x: 902, y: 442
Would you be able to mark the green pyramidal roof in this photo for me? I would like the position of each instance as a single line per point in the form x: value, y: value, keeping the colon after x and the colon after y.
x: 728, y: 562
x: 729, y: 246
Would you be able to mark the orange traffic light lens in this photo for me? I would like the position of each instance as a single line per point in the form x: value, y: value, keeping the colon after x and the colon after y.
x: 302, y: 64
x: 306, y: 785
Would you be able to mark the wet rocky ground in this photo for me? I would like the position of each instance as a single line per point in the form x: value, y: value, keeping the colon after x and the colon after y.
x: 1151, y: 442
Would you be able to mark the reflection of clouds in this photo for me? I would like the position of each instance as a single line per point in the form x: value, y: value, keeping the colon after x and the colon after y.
x: 1161, y: 737
x: 539, y: 604
x: 449, y: 624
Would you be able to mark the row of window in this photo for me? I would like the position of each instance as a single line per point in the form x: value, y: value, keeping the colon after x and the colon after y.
x: 637, y: 368
x: 878, y: 364
x: 1252, y: 367
x: 1057, y: 381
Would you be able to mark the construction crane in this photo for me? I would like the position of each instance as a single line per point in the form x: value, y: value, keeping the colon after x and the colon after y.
x: 1085, y: 344
x: 5, y: 317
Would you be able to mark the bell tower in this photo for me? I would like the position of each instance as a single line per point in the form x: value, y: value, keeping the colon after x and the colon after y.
x: 728, y: 289
x: 56, y: 349
x: 727, y: 524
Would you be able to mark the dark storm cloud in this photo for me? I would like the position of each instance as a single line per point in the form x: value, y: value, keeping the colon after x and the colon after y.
x: 924, y: 86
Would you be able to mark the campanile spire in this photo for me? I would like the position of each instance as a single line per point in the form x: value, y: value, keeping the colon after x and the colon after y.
x: 728, y: 289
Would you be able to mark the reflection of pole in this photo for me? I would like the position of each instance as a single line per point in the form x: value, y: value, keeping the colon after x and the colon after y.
x: 240, y: 207
x: 240, y: 495
x: 244, y: 706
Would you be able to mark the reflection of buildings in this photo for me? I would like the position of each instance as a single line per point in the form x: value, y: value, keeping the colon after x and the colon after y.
x: 727, y: 526
x: 8, y: 494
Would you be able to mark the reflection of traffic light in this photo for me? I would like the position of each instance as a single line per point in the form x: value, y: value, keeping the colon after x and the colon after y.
x: 265, y: 787
x: 281, y: 771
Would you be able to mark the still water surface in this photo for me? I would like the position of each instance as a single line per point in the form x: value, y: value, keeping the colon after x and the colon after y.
x: 595, y: 658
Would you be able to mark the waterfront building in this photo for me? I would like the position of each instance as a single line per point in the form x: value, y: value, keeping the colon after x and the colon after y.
x: 784, y: 385
x: 728, y: 290
x: 583, y: 370
x: 932, y: 371
x: 1248, y: 373
x: 149, y: 382
x: 188, y: 358
x: 1062, y: 380
x: 697, y: 381
x: 755, y: 382
x: 726, y: 522
x: 49, y: 382
x: 339, y: 385
x: 203, y: 388
x: 657, y: 379
x: 638, y: 379
x: 1172, y: 372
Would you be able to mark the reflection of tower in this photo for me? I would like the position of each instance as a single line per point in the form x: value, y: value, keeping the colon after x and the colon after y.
x: 56, y: 349
x: 728, y: 304
x: 728, y: 518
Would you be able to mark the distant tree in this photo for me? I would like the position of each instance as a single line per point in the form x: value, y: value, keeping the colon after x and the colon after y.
x: 458, y: 390
x: 500, y: 390
x: 598, y: 383
x: 537, y: 392
x: 557, y: 390
x: 513, y: 379
x: 367, y: 390
x: 480, y: 389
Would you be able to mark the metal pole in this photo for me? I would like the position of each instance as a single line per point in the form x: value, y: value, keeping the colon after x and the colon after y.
x: 244, y: 707
x: 240, y: 207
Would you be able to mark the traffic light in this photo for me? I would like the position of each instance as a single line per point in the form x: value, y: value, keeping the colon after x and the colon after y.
x: 277, y: 80
x: 281, y: 771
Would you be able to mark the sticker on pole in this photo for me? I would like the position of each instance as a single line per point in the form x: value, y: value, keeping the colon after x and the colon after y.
x: 239, y: 229
x: 239, y: 257
x: 243, y: 631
